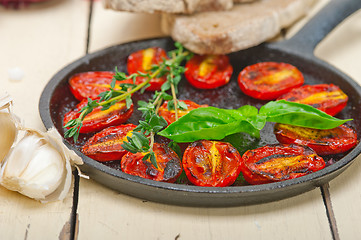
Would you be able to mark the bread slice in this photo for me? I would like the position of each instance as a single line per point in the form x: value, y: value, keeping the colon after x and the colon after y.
x: 242, y: 1
x: 244, y: 26
x: 168, y: 6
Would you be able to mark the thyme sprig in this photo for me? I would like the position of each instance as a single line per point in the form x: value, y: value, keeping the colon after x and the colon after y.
x: 142, y: 139
x: 153, y: 123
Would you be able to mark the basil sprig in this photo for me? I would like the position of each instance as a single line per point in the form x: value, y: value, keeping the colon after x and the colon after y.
x: 215, y: 123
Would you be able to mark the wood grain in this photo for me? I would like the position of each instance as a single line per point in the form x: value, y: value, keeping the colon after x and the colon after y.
x: 38, y: 40
x: 118, y: 216
x: 342, y: 48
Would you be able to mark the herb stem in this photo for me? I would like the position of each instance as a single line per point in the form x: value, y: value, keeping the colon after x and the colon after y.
x: 175, y: 101
x: 115, y: 94
x: 133, y: 90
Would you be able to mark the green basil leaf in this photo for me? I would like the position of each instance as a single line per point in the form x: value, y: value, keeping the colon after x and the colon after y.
x: 210, y: 123
x: 252, y: 116
x: 298, y: 114
x: 243, y: 142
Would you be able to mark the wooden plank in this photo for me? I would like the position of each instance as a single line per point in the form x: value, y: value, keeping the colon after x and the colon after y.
x: 38, y: 41
x: 104, y: 213
x: 342, y: 48
x: 110, y: 28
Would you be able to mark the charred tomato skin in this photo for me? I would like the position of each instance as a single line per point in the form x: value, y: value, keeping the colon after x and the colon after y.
x: 106, y: 145
x: 169, y: 164
x: 325, y: 97
x: 90, y: 84
x: 208, y: 71
x: 99, y: 119
x: 279, y: 162
x: 142, y: 61
x: 169, y: 115
x: 211, y: 163
x: 323, y: 142
x: 269, y: 80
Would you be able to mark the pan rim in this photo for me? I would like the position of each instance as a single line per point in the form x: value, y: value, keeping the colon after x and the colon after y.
x: 315, y: 179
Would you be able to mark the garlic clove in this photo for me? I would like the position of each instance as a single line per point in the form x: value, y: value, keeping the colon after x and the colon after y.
x: 39, y: 166
x: 71, y: 159
x: 33, y: 167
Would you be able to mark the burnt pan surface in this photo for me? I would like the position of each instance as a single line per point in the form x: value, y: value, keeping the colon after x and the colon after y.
x: 57, y: 99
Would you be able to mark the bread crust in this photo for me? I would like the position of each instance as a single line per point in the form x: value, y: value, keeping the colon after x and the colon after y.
x: 168, y: 6
x: 244, y: 26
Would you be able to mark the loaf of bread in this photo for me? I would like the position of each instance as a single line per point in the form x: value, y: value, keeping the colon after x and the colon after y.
x: 170, y: 6
x: 244, y: 26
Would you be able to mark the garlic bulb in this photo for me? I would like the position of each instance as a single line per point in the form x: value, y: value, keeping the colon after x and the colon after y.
x: 38, y: 165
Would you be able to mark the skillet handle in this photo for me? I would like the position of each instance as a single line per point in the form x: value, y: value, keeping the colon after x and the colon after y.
x: 306, y: 40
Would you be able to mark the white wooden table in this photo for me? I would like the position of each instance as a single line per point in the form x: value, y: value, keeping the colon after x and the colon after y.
x: 43, y: 38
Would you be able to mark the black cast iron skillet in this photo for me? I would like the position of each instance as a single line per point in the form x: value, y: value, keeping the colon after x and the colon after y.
x: 56, y: 99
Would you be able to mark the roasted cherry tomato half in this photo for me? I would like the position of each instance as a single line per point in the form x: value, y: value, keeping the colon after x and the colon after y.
x: 208, y: 71
x: 269, y: 80
x: 142, y: 61
x: 99, y: 119
x: 279, y: 162
x: 91, y: 84
x: 323, y: 142
x: 325, y: 97
x: 106, y: 145
x: 169, y: 115
x: 211, y: 163
x: 168, y: 162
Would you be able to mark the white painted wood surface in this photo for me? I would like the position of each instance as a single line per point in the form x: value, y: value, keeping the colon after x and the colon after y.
x: 38, y: 40
x: 342, y: 48
x: 43, y: 38
x: 124, y: 217
x: 103, y: 212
